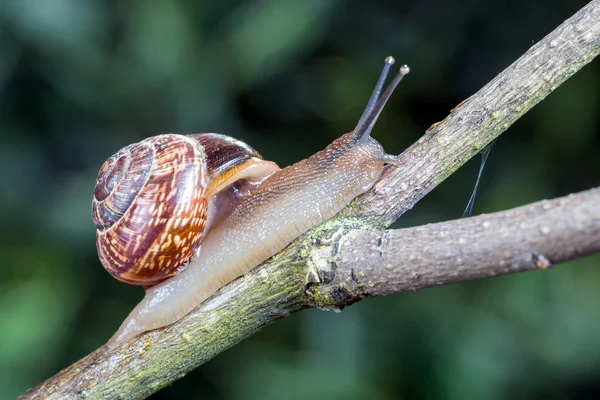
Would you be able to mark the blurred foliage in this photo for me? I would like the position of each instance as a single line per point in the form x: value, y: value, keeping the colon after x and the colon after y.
x: 80, y: 79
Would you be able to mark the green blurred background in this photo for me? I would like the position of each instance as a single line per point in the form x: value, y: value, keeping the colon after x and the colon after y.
x: 80, y: 79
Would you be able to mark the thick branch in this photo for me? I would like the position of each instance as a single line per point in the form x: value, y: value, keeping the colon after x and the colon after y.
x: 536, y: 236
x: 278, y: 287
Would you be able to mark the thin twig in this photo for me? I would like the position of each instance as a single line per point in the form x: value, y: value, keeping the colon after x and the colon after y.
x: 480, y: 119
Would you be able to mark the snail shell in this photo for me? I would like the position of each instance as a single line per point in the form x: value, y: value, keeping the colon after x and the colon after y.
x: 152, y: 203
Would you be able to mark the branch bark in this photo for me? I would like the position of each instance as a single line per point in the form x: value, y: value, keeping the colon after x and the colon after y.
x: 469, y: 127
x: 321, y: 269
x: 362, y: 263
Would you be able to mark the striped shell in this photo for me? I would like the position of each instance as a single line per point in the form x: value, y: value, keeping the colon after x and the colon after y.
x: 150, y: 205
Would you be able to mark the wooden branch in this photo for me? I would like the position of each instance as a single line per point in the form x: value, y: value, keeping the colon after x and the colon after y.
x: 360, y: 263
x: 278, y: 287
x: 477, y: 121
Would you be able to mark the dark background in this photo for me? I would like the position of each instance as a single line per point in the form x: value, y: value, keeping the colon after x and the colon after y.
x: 80, y: 79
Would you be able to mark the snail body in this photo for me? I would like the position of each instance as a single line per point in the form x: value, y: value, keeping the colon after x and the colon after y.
x: 249, y: 210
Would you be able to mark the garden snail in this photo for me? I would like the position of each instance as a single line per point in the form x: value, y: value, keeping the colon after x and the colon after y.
x: 183, y: 215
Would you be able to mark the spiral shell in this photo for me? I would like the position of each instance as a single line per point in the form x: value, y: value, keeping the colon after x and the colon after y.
x: 150, y: 208
x: 152, y: 198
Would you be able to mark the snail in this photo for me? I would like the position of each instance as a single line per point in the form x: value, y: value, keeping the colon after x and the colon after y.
x: 183, y: 215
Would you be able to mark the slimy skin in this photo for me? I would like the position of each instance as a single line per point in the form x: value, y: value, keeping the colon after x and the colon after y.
x: 286, y: 204
x: 256, y: 211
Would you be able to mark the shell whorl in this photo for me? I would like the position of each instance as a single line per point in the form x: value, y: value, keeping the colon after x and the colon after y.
x: 150, y: 208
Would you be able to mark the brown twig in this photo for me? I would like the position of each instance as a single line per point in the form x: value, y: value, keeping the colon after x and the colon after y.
x: 377, y: 263
x: 478, y: 120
